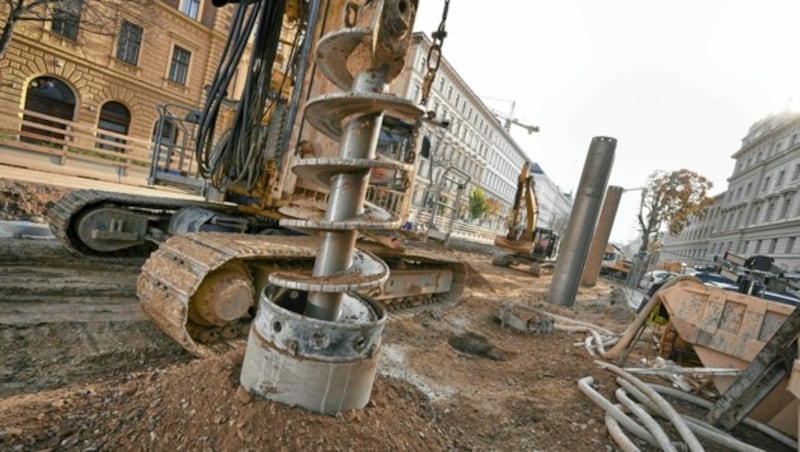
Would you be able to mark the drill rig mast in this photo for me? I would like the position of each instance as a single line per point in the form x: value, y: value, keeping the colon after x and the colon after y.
x: 208, y: 262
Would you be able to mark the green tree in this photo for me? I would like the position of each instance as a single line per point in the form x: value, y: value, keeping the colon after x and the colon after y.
x: 478, y: 204
x: 671, y: 199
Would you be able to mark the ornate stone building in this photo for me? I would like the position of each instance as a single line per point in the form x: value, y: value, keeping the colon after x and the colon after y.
x: 162, y: 52
x: 554, y: 205
x: 759, y: 213
x: 167, y: 52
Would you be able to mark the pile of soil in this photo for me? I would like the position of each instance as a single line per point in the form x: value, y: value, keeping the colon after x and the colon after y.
x: 25, y: 201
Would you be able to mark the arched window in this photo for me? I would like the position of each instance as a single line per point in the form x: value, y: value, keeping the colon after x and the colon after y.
x: 51, y: 97
x: 114, y: 117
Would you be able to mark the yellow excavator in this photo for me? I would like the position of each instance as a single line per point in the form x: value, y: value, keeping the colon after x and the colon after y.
x: 285, y: 183
x: 525, y: 243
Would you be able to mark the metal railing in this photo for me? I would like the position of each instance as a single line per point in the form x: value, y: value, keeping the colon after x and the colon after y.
x: 39, y: 141
x: 461, y: 229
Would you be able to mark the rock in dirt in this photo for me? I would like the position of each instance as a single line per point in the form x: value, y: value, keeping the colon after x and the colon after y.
x: 242, y: 395
x: 528, y: 322
x: 476, y: 345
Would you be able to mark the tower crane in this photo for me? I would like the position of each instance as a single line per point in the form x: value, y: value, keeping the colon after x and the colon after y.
x: 528, y: 127
x: 509, y: 119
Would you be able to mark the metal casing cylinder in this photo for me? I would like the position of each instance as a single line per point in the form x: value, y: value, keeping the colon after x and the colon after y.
x: 582, y: 220
x: 322, y: 366
x: 594, y: 261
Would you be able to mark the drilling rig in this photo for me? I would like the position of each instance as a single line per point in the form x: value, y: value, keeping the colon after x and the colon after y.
x: 292, y: 271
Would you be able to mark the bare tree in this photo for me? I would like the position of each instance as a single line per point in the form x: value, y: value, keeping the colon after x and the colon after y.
x: 93, y: 16
x: 559, y: 225
x: 494, y: 209
x: 671, y: 200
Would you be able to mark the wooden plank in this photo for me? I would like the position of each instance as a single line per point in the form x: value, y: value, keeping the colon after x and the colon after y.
x: 31, y: 147
x: 34, y: 114
x: 46, y: 128
x: 99, y: 136
x: 90, y: 158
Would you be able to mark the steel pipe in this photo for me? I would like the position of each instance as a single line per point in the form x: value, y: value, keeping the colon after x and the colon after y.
x: 594, y: 261
x: 582, y: 220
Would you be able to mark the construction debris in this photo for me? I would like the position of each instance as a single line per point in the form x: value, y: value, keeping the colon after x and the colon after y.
x: 529, y: 322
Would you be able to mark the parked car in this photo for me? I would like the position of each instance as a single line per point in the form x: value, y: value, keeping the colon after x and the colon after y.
x: 716, y: 280
x: 653, y: 277
x: 721, y: 282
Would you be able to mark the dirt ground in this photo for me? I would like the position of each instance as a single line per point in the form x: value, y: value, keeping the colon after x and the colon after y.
x: 83, y: 369
x: 23, y: 201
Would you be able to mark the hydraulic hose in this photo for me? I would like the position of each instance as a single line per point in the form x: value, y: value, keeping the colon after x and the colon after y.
x: 763, y: 428
x: 648, y: 421
x: 625, y: 444
x: 584, y: 384
x: 699, y: 427
x: 663, y: 405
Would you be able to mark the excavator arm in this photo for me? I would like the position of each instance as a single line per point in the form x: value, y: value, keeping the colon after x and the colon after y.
x: 525, y: 193
x: 532, y: 208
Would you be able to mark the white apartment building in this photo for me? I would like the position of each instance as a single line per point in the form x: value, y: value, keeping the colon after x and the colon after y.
x: 474, y: 142
x: 554, y: 205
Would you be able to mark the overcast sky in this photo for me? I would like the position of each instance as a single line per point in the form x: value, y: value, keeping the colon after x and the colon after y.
x: 676, y: 83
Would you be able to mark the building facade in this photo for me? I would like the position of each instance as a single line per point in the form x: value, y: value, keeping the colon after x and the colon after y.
x: 554, y: 205
x: 167, y: 52
x: 474, y: 141
x: 759, y: 213
x: 155, y: 53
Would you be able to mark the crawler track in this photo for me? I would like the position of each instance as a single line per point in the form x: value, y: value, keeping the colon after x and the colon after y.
x: 420, y: 281
x: 174, y: 273
x: 62, y: 215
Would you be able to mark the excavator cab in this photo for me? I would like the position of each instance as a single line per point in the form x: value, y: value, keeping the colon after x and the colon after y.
x: 545, y: 243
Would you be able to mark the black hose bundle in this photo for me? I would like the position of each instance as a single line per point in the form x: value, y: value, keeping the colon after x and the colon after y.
x: 238, y: 154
